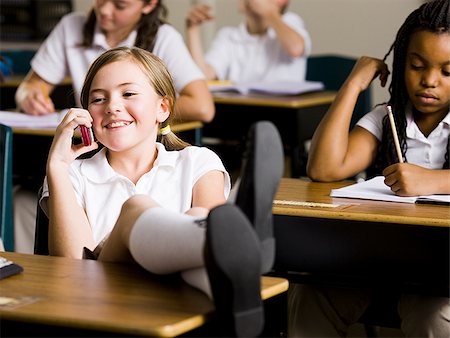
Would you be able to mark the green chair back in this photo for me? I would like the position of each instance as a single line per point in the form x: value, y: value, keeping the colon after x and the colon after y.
x: 6, y: 204
x: 332, y: 70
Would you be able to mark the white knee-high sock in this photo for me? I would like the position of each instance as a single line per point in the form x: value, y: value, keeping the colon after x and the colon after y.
x: 163, y: 241
x: 198, y: 278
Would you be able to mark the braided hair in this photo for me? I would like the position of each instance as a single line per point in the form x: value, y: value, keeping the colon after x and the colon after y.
x: 433, y: 16
x: 147, y: 27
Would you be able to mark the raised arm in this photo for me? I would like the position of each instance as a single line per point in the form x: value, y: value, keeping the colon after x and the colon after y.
x: 292, y: 42
x: 335, y: 153
x: 69, y: 229
x: 32, y: 95
x: 195, y: 18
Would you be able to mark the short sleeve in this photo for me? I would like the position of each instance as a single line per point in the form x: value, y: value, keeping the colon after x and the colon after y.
x: 373, y: 121
x: 50, y: 62
x: 206, y: 160
x: 170, y: 47
x: 296, y: 23
x: 76, y: 180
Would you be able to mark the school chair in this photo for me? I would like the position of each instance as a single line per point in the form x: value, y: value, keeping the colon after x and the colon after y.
x: 332, y: 70
x: 6, y: 206
x: 41, y: 231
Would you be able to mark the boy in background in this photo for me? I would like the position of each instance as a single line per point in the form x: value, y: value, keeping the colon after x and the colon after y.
x: 270, y: 46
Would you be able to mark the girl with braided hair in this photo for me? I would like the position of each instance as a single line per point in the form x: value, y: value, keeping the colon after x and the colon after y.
x: 419, y: 96
x: 420, y: 100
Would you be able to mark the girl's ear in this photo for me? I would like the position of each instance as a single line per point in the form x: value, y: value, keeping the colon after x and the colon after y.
x: 149, y: 6
x: 163, y: 110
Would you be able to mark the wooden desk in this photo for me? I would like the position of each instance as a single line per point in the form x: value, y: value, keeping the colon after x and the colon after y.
x: 15, y: 80
x: 296, y: 118
x: 259, y: 100
x: 107, y: 297
x: 361, y: 242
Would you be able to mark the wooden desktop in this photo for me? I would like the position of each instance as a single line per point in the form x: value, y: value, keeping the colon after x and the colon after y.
x: 295, y: 116
x: 363, y: 243
x: 68, y: 296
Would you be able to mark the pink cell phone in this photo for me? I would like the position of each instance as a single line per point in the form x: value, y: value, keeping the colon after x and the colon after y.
x: 86, y: 135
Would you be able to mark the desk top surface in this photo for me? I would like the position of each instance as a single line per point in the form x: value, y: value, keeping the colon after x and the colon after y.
x: 295, y: 192
x: 107, y: 296
x: 291, y: 101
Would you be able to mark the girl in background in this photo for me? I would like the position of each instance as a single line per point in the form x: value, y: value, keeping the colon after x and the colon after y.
x: 269, y: 46
x: 78, y: 40
x: 420, y: 99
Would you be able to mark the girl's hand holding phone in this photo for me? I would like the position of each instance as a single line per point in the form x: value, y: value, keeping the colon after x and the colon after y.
x: 63, y: 150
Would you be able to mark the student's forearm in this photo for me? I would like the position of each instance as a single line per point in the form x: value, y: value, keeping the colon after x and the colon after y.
x: 195, y: 103
x: 292, y: 42
x: 69, y: 231
x: 439, y: 182
x: 196, y: 49
x: 32, y: 95
x: 330, y: 141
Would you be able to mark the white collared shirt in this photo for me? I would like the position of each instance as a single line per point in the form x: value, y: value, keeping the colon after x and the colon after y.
x: 428, y: 152
x: 239, y: 56
x: 61, y: 55
x: 101, y: 191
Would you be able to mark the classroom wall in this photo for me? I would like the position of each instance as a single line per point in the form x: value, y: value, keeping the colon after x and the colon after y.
x: 347, y: 27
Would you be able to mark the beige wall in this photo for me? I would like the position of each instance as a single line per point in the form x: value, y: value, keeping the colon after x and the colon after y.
x: 347, y: 27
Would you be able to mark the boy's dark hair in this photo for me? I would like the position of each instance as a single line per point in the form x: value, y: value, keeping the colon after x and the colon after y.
x: 433, y: 16
x: 147, y: 27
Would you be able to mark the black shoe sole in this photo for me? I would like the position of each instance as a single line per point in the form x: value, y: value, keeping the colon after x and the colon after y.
x: 261, y: 171
x: 233, y: 260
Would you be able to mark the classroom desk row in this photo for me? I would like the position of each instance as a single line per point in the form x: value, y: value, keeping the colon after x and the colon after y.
x: 360, y: 243
x: 319, y: 239
x: 58, y: 296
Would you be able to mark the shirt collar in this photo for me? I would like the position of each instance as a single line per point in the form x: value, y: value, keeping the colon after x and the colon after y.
x: 247, y: 36
x: 98, y: 170
x: 100, y: 39
x: 411, y: 126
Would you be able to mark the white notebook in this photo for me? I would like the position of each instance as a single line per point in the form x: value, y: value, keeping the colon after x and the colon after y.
x: 21, y: 120
x: 375, y: 189
x: 274, y: 88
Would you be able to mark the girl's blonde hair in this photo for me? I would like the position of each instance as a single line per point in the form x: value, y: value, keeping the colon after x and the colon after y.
x: 157, y: 73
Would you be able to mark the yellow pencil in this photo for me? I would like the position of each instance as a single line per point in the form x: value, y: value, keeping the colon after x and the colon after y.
x: 394, y: 133
x: 44, y: 92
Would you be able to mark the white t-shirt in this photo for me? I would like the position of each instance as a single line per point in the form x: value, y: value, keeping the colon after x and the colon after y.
x: 240, y: 57
x: 61, y: 56
x: 101, y: 191
x: 428, y: 152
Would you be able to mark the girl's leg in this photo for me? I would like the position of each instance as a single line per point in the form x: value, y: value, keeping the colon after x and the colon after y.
x: 115, y: 248
x: 262, y: 168
x: 424, y: 316
x: 160, y: 240
x: 233, y: 263
x: 324, y: 311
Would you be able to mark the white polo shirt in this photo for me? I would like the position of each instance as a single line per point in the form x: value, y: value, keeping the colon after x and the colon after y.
x: 101, y: 191
x: 61, y: 55
x: 241, y: 57
x: 428, y: 152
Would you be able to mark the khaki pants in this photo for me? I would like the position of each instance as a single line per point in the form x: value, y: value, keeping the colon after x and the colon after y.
x: 328, y: 312
x: 25, y: 204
